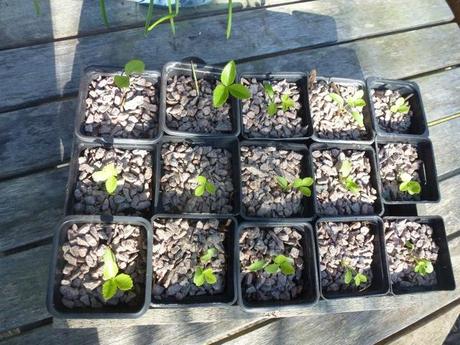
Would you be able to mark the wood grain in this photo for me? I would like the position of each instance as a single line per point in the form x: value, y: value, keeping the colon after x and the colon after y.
x: 54, y: 69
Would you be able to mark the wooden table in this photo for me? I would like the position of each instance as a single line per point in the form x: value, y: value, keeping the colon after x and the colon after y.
x: 41, y: 60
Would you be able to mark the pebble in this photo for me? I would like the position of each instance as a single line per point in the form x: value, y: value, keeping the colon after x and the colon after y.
x: 388, y: 121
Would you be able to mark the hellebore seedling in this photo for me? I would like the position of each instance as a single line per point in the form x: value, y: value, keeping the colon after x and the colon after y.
x: 423, y: 267
x: 113, y: 280
x: 257, y: 265
x: 345, y: 178
x: 271, y: 108
x: 301, y: 184
x: 203, y: 274
x: 281, y: 264
x: 287, y: 102
x: 409, y: 186
x: 228, y: 86
x: 131, y: 67
x: 108, y: 174
x: 352, y: 105
x: 204, y: 186
x: 400, y: 106
x: 352, y: 276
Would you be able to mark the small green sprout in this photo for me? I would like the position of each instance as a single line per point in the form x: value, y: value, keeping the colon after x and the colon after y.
x: 409, y: 186
x: 423, y: 267
x: 195, y: 80
x: 257, y: 265
x: 352, y: 276
x: 281, y: 264
x: 301, y: 184
x: 108, y: 174
x: 287, y: 102
x: 131, y: 67
x: 228, y: 86
x: 345, y: 170
x: 113, y: 280
x: 400, y: 106
x: 352, y: 105
x: 271, y: 108
x: 204, y: 186
x: 205, y: 275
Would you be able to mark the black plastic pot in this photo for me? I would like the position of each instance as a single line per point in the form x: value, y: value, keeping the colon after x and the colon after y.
x: 419, y: 125
x: 230, y: 144
x: 53, y: 300
x: 228, y: 297
x: 380, y: 280
x: 369, y: 139
x: 310, y: 293
x: 295, y: 77
x: 428, y: 173
x: 307, y: 212
x: 89, y: 74
x: 202, y: 72
x: 370, y: 153
x: 78, y: 147
x: 442, y: 267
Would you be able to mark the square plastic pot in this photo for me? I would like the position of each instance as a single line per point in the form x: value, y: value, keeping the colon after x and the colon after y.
x: 419, y: 127
x: 202, y: 72
x: 228, y: 297
x: 370, y: 153
x: 87, y: 77
x: 230, y: 144
x: 79, y: 146
x: 307, y: 212
x: 310, y: 293
x: 53, y: 300
x: 293, y: 77
x: 442, y: 267
x: 368, y: 124
x: 380, y: 279
x: 428, y: 174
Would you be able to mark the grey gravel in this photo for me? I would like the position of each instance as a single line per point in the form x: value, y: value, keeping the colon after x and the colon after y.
x: 256, y: 121
x: 188, y: 112
x: 182, y: 164
x: 133, y: 195
x: 178, y: 245
x: 128, y: 113
x: 82, y: 279
x: 331, y: 195
x: 388, y: 121
x: 401, y: 260
x: 265, y: 244
x: 328, y: 121
x: 395, y: 159
x: 350, y: 242
x: 261, y: 194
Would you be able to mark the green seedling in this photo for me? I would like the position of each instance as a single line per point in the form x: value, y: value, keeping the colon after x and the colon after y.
x: 108, y: 174
x: 271, y: 108
x: 257, y: 265
x: 281, y: 264
x: 301, y: 184
x: 409, y: 186
x: 352, y: 276
x: 113, y: 280
x: 423, y: 267
x: 202, y: 274
x: 131, y: 67
x: 353, y: 105
x: 400, y: 106
x: 227, y: 86
x: 347, y: 181
x: 195, y: 79
x: 204, y: 186
x: 287, y: 102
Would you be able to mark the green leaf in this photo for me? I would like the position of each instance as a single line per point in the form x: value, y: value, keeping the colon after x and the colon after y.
x: 256, y: 265
x: 111, y: 184
x: 403, y: 187
x: 239, y: 91
x: 199, y: 191
x: 307, y: 181
x: 271, y: 109
x: 228, y: 75
x: 404, y: 109
x: 209, y: 276
x: 359, y: 103
x: 269, y: 90
x: 219, y: 95
x: 394, y: 109
x: 272, y: 268
x: 279, y: 259
x: 297, y: 183
x: 423, y: 267
x: 400, y: 101
x: 287, y: 268
x: 122, y: 81
x: 358, y: 116
x: 345, y: 168
x: 124, y: 282
x: 359, y: 279
x: 348, y: 276
x: 287, y: 102
x: 110, y: 169
x: 413, y: 187
x: 134, y: 66
x: 210, y: 188
x: 351, y: 185
x: 305, y: 191
x: 198, y: 277
x: 282, y: 182
x: 109, y: 289
x: 337, y: 99
x: 210, y: 253
x: 201, y: 180
x: 110, y: 269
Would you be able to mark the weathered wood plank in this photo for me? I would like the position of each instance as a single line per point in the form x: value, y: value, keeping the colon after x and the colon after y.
x: 61, y: 63
x: 68, y: 18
